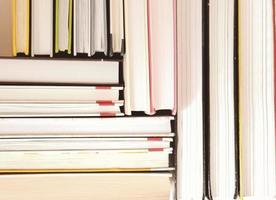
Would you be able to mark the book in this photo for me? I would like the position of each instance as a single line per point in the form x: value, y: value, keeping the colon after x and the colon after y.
x: 22, y: 71
x: 150, y: 62
x: 117, y: 26
x: 63, y: 25
x: 190, y: 178
x: 21, y: 12
x: 76, y: 159
x: 86, y: 127
x: 82, y: 23
x: 42, y: 27
x: 162, y: 54
x: 57, y: 94
x: 77, y: 109
x: 222, y: 100
x: 98, y: 32
x: 7, y: 29
x: 67, y: 144
x: 136, y: 60
x: 257, y: 103
x: 83, y: 186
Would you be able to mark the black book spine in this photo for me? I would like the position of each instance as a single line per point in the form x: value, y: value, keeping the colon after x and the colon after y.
x: 206, y: 100
x: 236, y: 99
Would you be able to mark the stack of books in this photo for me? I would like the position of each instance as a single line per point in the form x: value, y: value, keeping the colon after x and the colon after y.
x: 137, y: 99
x: 79, y: 108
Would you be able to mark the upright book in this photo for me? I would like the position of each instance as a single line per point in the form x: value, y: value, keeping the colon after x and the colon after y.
x: 257, y: 104
x: 42, y: 27
x: 6, y: 24
x: 222, y: 102
x: 190, y: 100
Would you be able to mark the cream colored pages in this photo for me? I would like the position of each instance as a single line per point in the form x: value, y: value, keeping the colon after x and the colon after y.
x: 6, y: 28
x: 68, y: 127
x: 42, y: 27
x: 57, y: 109
x: 22, y: 26
x: 57, y: 94
x: 136, y: 63
x: 222, y: 127
x: 82, y: 23
x: 189, y: 152
x: 117, y: 24
x: 257, y: 103
x: 63, y: 25
x: 98, y: 35
x: 44, y: 144
x: 59, y: 71
x: 85, y: 187
x: 162, y: 53
x: 84, y: 159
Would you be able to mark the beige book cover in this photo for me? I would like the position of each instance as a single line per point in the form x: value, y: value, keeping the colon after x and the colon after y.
x: 6, y: 27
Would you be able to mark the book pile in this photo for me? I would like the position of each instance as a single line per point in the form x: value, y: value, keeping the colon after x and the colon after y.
x: 79, y: 111
x: 137, y: 99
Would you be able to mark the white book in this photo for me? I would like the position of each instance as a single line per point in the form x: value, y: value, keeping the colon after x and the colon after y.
x: 89, y: 127
x: 60, y: 109
x: 98, y: 33
x: 136, y: 61
x: 63, y: 27
x: 58, y: 71
x: 162, y: 54
x: 50, y: 144
x: 86, y: 159
x: 257, y: 100
x: 117, y: 24
x: 222, y: 124
x: 190, y: 118
x: 42, y: 27
x: 82, y: 21
x: 57, y: 94
x: 83, y: 186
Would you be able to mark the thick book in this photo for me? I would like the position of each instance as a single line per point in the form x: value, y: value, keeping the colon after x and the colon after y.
x: 21, y: 38
x: 42, y: 27
x: 86, y: 127
x: 222, y: 101
x: 82, y: 186
x: 257, y: 103
x: 78, y: 159
x: 136, y: 60
x: 53, y: 72
x: 190, y: 100
x: 161, y: 16
x: 6, y: 28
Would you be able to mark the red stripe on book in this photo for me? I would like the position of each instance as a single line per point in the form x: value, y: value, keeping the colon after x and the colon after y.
x: 103, y: 87
x: 105, y: 103
x: 274, y: 32
x: 107, y: 114
x: 156, y: 149
x: 154, y: 139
